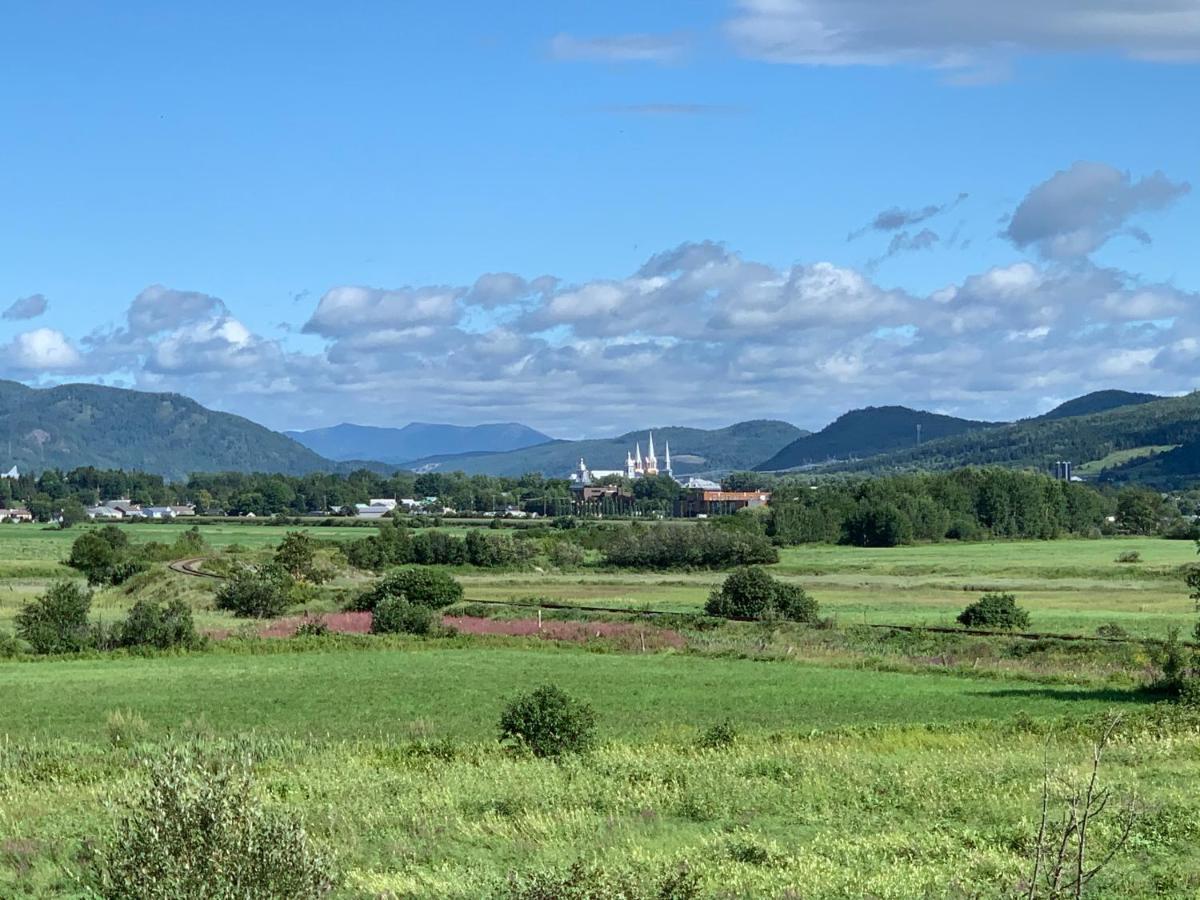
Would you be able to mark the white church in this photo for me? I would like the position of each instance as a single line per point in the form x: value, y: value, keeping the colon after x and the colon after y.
x: 636, y: 466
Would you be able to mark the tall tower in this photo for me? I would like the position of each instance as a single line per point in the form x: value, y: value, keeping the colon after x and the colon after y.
x: 667, y: 460
x: 651, y: 467
x: 637, y: 460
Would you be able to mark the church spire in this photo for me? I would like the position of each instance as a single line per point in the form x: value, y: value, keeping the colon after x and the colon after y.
x: 652, y: 445
x: 667, y: 457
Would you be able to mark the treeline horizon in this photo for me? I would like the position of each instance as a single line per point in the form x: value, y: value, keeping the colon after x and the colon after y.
x: 965, y: 503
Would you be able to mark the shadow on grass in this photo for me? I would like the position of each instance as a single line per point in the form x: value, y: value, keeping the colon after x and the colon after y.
x: 1101, y: 695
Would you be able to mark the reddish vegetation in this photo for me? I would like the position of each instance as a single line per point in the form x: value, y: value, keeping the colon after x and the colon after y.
x: 624, y: 634
x: 342, y: 622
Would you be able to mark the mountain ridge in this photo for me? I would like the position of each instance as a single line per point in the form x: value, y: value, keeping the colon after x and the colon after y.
x: 397, y: 446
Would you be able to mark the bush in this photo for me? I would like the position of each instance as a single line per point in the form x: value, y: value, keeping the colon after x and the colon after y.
x: 999, y: 611
x: 151, y: 624
x: 548, y: 722
x: 57, y: 622
x: 1129, y: 556
x: 687, y: 547
x: 312, y: 627
x: 566, y: 555
x: 718, y: 736
x: 750, y: 593
x: 11, y: 646
x: 590, y: 882
x: 418, y: 585
x: 196, y: 830
x: 395, y: 615
x: 255, y: 594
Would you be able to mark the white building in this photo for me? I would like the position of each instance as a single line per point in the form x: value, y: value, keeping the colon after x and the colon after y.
x: 636, y: 466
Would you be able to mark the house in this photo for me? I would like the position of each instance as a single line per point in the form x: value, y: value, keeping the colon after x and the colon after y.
x: 385, y: 502
x: 104, y: 512
x: 188, y: 510
x: 16, y: 514
x: 11, y: 473
x: 127, y: 508
x: 157, y: 512
x: 371, y: 511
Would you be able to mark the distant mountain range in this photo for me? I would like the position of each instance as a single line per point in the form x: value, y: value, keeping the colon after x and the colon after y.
x: 1156, y: 441
x: 415, y: 440
x: 693, y: 450
x: 1107, y: 435
x: 92, y: 425
x: 866, y: 433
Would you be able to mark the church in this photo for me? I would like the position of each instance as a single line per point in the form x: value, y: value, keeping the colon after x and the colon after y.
x: 636, y: 466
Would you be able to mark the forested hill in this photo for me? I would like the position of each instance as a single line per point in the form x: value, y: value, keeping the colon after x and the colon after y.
x: 415, y: 440
x: 693, y: 450
x: 1038, y: 443
x: 1097, y: 401
x: 165, y: 434
x: 863, y: 433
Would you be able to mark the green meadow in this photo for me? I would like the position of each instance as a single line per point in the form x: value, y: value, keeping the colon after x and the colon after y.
x: 856, y: 766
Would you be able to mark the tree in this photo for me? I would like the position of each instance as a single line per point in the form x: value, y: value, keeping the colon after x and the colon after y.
x: 72, y: 513
x: 297, y: 555
x: 1138, y: 510
x: 548, y: 722
x: 57, y: 622
x: 421, y: 586
x: 877, y: 524
x: 395, y: 615
x: 250, y: 593
x: 150, y: 623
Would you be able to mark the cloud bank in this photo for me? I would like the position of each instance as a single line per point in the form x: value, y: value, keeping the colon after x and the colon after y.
x: 698, y: 333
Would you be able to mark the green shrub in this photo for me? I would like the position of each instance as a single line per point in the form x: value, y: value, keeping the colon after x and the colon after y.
x: 999, y: 611
x: 255, y: 594
x: 751, y: 593
x: 548, y: 722
x: 566, y: 555
x: 297, y: 556
x: 1129, y: 556
x: 311, y: 626
x: 57, y: 622
x: 11, y: 646
x: 718, y: 737
x: 877, y: 524
x: 686, y: 547
x: 150, y: 623
x: 197, y: 831
x: 419, y: 585
x: 583, y: 881
x: 395, y: 615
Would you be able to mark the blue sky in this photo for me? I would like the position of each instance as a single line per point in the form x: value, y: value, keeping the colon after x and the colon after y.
x: 285, y: 211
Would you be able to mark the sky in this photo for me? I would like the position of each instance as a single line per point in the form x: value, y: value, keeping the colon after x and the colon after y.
x: 591, y: 218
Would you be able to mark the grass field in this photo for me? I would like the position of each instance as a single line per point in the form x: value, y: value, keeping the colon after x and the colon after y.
x: 852, y: 774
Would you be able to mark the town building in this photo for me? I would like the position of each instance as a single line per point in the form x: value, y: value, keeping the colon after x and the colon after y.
x: 11, y: 473
x: 16, y: 514
x: 699, y: 502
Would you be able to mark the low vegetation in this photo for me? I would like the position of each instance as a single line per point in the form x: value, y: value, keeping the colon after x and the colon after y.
x: 999, y: 611
x: 750, y: 593
x: 548, y: 722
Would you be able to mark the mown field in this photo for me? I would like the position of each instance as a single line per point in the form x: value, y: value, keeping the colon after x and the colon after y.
x: 855, y: 773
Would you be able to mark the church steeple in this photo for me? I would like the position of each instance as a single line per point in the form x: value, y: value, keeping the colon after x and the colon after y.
x: 667, y: 459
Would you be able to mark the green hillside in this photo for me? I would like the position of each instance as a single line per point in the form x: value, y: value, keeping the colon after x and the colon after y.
x: 868, y: 432
x: 1037, y: 443
x: 1098, y: 401
x: 693, y: 450
x: 167, y: 434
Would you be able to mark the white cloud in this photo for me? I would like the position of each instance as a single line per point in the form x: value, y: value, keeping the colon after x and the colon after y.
x: 971, y: 40
x: 41, y: 350
x: 347, y: 310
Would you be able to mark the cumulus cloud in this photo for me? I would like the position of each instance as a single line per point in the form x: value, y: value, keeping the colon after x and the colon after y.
x: 622, y: 48
x: 158, y: 309
x: 26, y: 308
x: 970, y: 39
x: 347, y: 310
x: 43, y: 350
x: 1078, y: 210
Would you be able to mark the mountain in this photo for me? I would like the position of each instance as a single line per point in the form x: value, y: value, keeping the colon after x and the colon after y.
x: 868, y: 432
x: 167, y: 434
x: 692, y: 450
x: 415, y: 440
x: 1140, y: 437
x: 1097, y: 401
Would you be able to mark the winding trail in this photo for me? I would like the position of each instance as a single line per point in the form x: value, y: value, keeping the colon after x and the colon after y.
x: 192, y: 567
